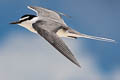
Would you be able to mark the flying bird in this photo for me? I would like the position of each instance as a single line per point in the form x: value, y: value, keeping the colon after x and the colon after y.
x: 51, y: 26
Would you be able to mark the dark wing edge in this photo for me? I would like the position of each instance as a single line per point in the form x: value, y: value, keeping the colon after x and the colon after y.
x: 56, y: 42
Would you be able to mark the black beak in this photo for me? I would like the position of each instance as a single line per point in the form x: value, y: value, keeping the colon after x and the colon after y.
x: 16, y: 22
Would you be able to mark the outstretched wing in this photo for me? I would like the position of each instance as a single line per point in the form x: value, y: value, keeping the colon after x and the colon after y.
x: 54, y: 40
x: 43, y: 12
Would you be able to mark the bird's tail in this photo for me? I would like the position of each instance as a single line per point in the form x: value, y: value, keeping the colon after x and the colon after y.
x: 96, y: 38
x: 77, y: 35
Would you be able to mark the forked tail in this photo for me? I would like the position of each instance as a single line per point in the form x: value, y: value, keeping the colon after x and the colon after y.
x: 96, y: 38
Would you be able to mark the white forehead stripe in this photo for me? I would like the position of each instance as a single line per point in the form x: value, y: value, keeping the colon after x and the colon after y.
x: 24, y: 18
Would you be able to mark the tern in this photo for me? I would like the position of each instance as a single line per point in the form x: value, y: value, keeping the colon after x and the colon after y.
x: 51, y: 26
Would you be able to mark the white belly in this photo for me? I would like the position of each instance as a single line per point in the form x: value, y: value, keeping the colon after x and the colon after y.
x: 61, y: 33
x: 64, y: 33
x: 28, y: 26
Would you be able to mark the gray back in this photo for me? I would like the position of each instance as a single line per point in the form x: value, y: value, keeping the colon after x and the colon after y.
x: 43, y: 12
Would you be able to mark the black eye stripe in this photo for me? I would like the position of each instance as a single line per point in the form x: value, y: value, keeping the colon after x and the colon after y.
x: 27, y: 17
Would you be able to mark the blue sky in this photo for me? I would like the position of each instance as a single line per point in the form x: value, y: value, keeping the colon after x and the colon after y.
x: 93, y: 17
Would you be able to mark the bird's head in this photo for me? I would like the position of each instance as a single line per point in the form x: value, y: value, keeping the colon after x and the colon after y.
x: 24, y: 19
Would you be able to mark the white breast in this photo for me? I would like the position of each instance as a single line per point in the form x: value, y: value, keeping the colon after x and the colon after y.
x: 28, y: 24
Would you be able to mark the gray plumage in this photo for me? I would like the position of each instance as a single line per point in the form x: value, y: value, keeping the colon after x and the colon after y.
x: 54, y: 40
x: 46, y: 13
x: 50, y: 25
x: 47, y: 28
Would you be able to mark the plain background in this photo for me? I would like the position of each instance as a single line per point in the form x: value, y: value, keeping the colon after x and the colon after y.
x: 27, y: 56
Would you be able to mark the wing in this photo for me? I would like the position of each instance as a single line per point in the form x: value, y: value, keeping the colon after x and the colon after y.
x: 43, y: 12
x: 55, y: 41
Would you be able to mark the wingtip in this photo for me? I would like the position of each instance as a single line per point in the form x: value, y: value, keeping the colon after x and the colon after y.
x: 64, y: 15
x: 29, y: 7
x: 111, y: 40
x: 114, y: 41
x: 79, y: 65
